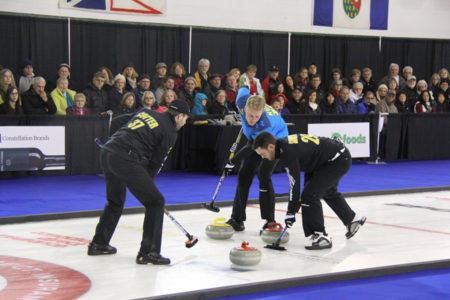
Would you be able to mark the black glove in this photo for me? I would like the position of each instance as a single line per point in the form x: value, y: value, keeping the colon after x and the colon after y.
x: 228, y: 168
x: 289, y: 220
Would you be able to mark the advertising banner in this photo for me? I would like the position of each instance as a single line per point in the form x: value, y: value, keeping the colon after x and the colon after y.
x: 32, y: 148
x: 355, y: 136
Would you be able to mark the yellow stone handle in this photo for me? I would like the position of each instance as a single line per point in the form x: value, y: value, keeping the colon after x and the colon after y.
x: 222, y: 222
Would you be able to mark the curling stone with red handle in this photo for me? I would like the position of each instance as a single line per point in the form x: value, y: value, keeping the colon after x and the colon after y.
x: 245, y: 255
x: 271, y: 234
x: 219, y: 230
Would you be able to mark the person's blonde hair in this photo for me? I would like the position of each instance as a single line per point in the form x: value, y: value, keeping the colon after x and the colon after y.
x: 79, y: 96
x: 256, y: 102
x: 162, y: 100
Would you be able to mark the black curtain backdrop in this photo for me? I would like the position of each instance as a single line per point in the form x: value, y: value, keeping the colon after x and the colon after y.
x: 425, y: 56
x: 329, y: 52
x: 116, y: 45
x: 237, y: 49
x: 95, y: 44
x: 44, y: 41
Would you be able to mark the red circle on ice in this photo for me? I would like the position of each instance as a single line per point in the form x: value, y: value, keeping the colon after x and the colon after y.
x: 32, y: 279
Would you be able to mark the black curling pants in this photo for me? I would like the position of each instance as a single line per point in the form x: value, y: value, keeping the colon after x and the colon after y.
x: 323, y: 183
x: 119, y: 174
x: 249, y: 166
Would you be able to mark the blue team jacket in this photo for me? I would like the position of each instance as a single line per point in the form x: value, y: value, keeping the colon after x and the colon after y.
x: 271, y: 121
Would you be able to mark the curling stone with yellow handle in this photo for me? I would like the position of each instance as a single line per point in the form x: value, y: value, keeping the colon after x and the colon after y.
x: 219, y: 230
x: 245, y: 255
x: 272, y: 233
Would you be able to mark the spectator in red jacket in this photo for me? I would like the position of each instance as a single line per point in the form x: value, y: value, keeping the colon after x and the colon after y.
x: 269, y: 84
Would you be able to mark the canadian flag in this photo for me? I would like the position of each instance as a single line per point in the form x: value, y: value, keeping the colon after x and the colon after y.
x: 154, y: 7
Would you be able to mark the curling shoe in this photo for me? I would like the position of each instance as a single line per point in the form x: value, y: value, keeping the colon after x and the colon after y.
x: 96, y: 249
x: 353, y: 227
x: 153, y: 258
x: 319, y: 241
x: 237, y: 225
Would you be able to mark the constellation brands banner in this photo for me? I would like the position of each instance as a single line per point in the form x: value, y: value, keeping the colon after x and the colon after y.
x: 357, y: 14
x: 32, y: 148
x: 149, y: 7
x: 356, y: 136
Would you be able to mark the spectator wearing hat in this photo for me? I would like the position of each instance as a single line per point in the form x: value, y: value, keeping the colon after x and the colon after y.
x: 201, y: 104
x: 422, y: 86
x: 169, y: 84
x: 62, y: 96
x: 26, y: 76
x: 368, y: 81
x: 6, y: 81
x: 202, y: 74
x: 214, y: 85
x: 279, y: 90
x: 387, y: 105
x: 143, y: 85
x: 115, y: 95
x: 178, y: 72
x: 424, y: 103
x: 36, y: 101
x: 345, y: 106
x: 381, y: 92
x: 411, y: 92
x: 248, y: 79
x: 96, y: 96
x: 64, y: 72
x: 159, y: 78
x: 270, y: 82
x: 131, y: 77
x: 188, y: 90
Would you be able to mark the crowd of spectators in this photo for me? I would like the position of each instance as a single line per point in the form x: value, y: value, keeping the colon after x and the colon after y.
x: 303, y: 92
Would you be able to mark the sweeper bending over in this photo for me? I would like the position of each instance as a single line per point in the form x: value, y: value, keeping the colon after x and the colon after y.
x: 131, y: 158
x: 256, y: 117
x: 325, y: 161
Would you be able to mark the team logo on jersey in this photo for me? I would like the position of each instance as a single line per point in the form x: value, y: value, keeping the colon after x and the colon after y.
x: 352, y: 7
